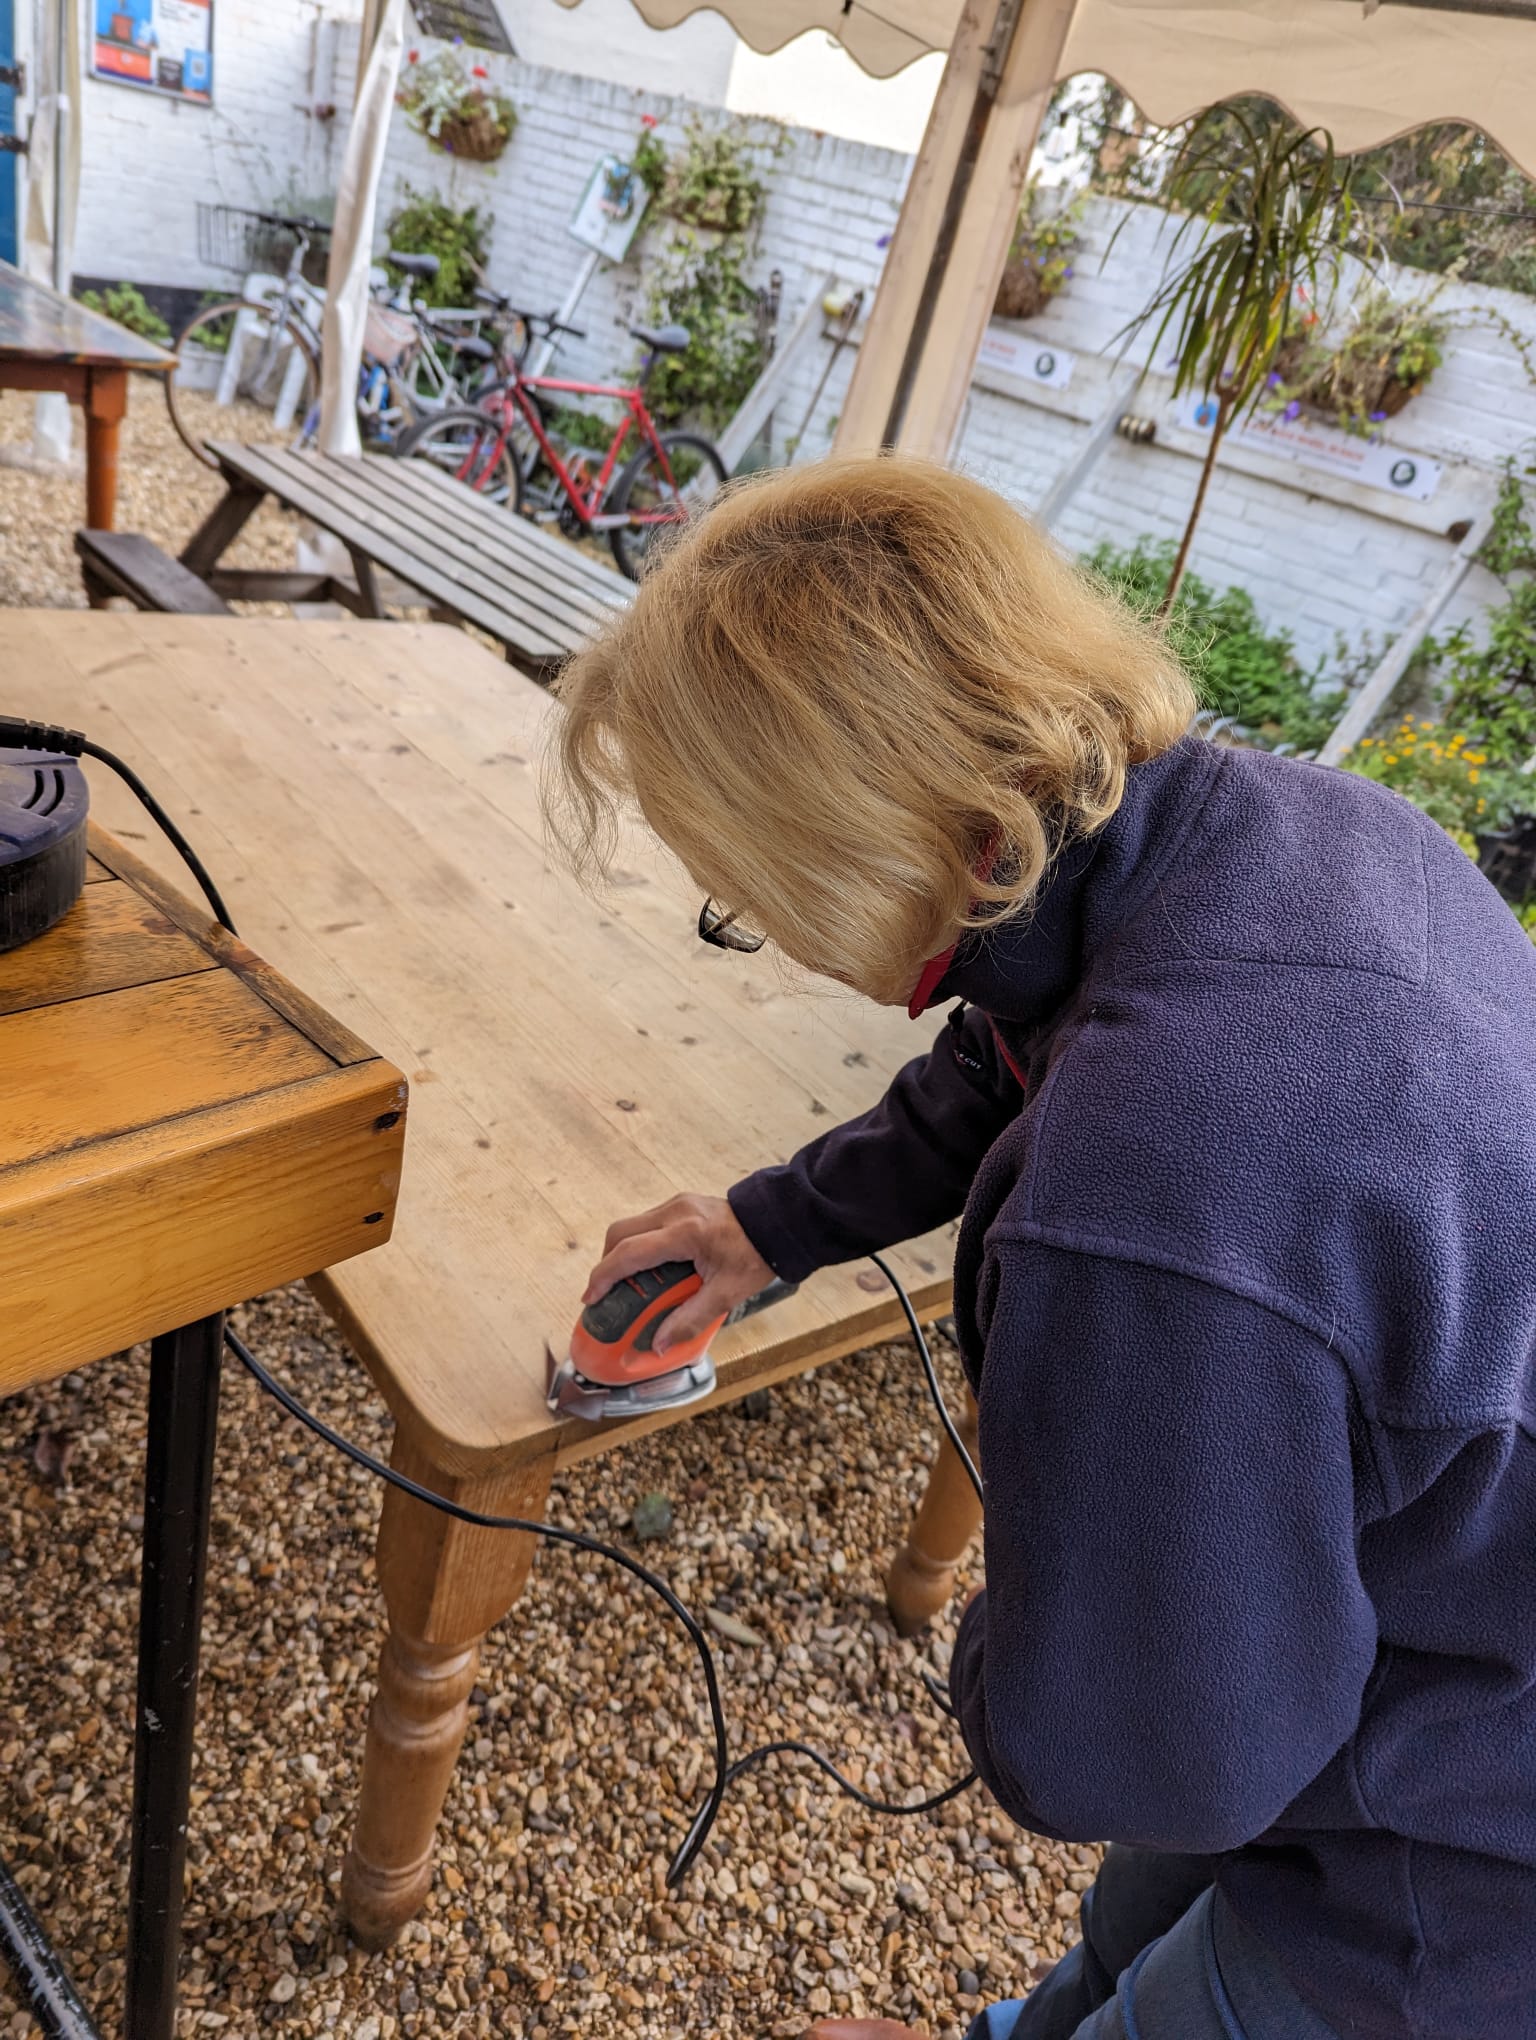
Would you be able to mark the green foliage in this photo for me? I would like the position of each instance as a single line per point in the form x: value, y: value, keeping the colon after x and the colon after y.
x: 703, y: 288
x: 1389, y: 351
x: 1458, y: 168
x: 1040, y: 254
x: 1240, y: 669
x: 1442, y: 770
x: 648, y: 159
x: 1267, y: 212
x: 424, y: 224
x: 1488, y: 687
x: 711, y: 182
x: 126, y: 303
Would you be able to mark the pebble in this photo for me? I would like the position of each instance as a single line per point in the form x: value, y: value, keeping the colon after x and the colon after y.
x: 587, y: 1747
x: 970, y: 1983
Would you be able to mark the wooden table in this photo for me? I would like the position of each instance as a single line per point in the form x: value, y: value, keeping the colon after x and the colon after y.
x: 472, y: 559
x: 365, y: 794
x: 48, y: 342
x: 182, y: 1130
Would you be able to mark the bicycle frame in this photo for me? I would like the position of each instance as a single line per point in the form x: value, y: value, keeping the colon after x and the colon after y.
x: 587, y: 503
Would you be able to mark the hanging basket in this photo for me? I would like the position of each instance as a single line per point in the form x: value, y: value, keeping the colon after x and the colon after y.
x: 478, y: 133
x: 1022, y: 292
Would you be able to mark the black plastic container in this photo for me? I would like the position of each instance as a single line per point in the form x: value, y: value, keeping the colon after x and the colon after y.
x: 44, y: 801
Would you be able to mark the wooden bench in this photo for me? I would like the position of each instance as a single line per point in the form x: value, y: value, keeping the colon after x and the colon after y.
x: 472, y: 560
x: 127, y: 563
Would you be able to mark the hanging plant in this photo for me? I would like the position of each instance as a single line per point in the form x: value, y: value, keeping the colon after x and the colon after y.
x: 710, y: 182
x: 1039, y: 256
x: 1389, y: 353
x: 456, y: 107
x: 648, y: 159
x: 703, y: 288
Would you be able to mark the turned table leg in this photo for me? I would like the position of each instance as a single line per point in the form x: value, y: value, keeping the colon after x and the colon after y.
x: 445, y: 1584
x: 106, y: 401
x: 922, y: 1577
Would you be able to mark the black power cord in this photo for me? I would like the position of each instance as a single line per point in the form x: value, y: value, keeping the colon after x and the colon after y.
x: 18, y: 733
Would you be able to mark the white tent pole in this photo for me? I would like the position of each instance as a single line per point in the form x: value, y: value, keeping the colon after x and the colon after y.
x: 346, y: 277
x: 951, y: 241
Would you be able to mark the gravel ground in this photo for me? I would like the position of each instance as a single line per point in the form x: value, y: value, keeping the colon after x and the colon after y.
x: 162, y: 491
x: 549, y: 1915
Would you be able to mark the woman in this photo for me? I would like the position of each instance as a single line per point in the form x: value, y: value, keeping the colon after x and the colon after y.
x: 1238, y: 1095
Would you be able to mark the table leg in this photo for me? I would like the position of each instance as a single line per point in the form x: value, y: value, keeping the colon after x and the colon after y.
x: 106, y: 401
x: 445, y: 1584
x: 178, y: 1483
x: 222, y: 526
x: 922, y: 1578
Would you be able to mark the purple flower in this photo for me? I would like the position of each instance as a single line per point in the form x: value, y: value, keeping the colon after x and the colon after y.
x: 1292, y: 410
x: 1274, y: 378
x: 884, y: 241
x: 1377, y: 416
x: 1066, y: 272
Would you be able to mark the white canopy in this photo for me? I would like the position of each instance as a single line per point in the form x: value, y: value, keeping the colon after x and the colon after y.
x: 1363, y: 69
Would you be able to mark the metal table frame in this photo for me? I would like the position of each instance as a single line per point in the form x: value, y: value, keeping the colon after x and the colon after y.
x: 178, y: 1486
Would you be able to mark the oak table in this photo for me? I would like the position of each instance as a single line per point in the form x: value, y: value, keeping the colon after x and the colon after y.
x: 365, y: 795
x: 49, y: 342
x: 181, y: 1130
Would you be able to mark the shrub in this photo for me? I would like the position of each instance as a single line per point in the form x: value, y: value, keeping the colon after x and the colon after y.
x: 1444, y: 772
x: 126, y: 303
x: 1240, y: 668
x: 424, y: 224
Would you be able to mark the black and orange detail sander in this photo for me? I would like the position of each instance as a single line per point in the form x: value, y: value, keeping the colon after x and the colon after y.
x: 613, y: 1368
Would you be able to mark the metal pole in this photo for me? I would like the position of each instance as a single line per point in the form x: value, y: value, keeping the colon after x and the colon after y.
x: 178, y: 1484
x: 1083, y: 462
x: 37, y: 1970
x: 568, y: 305
x: 64, y: 113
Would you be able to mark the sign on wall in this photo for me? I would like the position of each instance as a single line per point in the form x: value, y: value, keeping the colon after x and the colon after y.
x: 1020, y: 354
x: 610, y: 209
x: 1312, y: 442
x: 159, y: 45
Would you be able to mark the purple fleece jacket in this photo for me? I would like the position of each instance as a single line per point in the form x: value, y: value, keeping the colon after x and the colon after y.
x: 1247, y: 1290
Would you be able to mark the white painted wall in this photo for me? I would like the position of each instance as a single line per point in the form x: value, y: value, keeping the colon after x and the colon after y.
x: 147, y: 160
x: 608, y: 39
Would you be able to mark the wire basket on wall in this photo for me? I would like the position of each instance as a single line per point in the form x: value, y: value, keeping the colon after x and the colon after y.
x: 238, y: 238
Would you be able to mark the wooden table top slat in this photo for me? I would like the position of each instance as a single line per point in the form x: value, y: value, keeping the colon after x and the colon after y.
x: 520, y: 585
x: 368, y: 791
x: 86, y: 1069
x: 41, y: 324
x: 182, y: 1129
x: 114, y: 938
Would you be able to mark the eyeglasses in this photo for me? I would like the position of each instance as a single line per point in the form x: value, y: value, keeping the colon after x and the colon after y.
x: 724, y: 931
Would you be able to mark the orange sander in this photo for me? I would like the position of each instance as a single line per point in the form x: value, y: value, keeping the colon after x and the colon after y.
x: 613, y: 1368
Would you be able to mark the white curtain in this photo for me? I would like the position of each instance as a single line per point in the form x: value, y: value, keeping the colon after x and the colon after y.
x: 53, y: 188
x: 346, y: 279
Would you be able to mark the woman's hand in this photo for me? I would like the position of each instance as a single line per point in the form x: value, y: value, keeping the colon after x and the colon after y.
x: 703, y: 1230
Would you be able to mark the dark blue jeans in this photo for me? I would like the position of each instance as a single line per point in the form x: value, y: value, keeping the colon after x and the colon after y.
x: 1162, y: 1958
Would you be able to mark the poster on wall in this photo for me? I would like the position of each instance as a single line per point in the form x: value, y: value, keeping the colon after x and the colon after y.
x: 159, y: 45
x: 610, y: 209
x: 1019, y: 354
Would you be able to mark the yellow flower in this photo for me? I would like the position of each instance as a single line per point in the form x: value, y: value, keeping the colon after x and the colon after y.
x: 1391, y: 757
x: 1477, y: 757
x: 1473, y: 778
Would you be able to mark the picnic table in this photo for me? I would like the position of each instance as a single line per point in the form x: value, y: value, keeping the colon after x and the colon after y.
x: 365, y: 794
x: 48, y: 342
x: 183, y: 1129
x: 473, y: 559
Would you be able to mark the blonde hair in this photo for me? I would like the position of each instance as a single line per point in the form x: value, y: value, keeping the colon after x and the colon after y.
x: 839, y: 687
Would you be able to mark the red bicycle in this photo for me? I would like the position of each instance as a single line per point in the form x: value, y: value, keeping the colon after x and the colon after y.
x: 504, y: 445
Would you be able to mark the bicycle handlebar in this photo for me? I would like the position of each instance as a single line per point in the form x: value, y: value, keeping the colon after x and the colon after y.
x: 544, y: 322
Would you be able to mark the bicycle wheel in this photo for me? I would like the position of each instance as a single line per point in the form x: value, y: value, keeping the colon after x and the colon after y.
x: 235, y: 354
x: 655, y: 504
x: 470, y: 447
